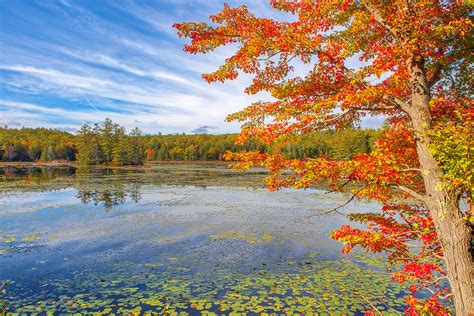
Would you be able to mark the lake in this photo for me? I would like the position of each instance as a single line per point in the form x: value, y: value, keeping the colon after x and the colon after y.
x: 179, y: 239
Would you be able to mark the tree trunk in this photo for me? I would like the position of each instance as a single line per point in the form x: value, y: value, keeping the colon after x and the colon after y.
x: 453, y: 231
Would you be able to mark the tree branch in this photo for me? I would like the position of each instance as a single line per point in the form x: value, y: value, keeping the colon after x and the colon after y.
x: 335, y: 210
x: 436, y: 75
x: 410, y: 169
x: 339, y: 188
x: 395, y: 101
x: 376, y: 109
x: 399, y: 103
x: 372, y: 305
x: 378, y: 17
x: 411, y: 192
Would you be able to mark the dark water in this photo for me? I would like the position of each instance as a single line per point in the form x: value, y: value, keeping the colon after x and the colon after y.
x: 177, y: 239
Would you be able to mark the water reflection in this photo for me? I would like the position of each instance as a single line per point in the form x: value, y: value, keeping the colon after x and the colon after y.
x: 116, y: 195
x: 179, y: 249
x: 33, y: 174
x: 111, y: 187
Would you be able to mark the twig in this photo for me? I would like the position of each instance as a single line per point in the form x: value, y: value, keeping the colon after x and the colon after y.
x: 372, y: 305
x: 335, y: 210
x: 338, y: 188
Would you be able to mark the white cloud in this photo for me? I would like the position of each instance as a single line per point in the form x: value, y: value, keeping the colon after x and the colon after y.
x: 92, y: 66
x: 59, y: 77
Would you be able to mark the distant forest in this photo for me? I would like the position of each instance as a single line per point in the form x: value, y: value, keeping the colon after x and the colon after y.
x: 109, y: 143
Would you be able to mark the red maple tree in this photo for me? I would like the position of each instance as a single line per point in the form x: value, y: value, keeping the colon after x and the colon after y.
x: 414, y: 64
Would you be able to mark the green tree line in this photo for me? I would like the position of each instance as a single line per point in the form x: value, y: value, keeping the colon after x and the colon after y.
x: 109, y: 143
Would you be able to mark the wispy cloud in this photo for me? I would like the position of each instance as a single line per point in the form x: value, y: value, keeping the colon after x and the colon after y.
x: 64, y: 62
x: 67, y: 63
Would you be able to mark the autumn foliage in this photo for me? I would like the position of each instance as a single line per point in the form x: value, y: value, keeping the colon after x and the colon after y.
x: 40, y: 144
x: 409, y: 61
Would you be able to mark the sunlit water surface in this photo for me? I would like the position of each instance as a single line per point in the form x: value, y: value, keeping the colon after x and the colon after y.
x: 191, y: 239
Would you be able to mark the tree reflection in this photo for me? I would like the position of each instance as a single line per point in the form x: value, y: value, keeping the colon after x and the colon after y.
x: 110, y: 195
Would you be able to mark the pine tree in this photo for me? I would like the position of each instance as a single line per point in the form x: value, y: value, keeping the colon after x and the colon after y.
x: 107, y: 139
x: 97, y: 154
x: 136, y: 152
x: 119, y: 150
x: 84, y: 146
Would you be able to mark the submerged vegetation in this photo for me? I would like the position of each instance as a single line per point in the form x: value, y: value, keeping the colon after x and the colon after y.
x: 177, y: 239
x: 169, y: 287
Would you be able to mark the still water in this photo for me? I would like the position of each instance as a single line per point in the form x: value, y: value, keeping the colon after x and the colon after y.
x: 179, y: 239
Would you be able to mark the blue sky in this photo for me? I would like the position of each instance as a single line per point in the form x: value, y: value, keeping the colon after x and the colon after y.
x: 67, y: 62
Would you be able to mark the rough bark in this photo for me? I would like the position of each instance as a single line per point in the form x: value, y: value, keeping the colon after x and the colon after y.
x: 454, y: 232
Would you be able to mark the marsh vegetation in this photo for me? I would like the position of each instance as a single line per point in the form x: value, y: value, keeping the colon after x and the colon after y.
x: 174, y: 238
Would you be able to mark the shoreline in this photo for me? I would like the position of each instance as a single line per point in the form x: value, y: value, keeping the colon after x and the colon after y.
x: 35, y: 164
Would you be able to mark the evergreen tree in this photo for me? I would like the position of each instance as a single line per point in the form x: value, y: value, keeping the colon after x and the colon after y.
x: 119, y: 150
x: 84, y: 145
x: 136, y: 152
x: 107, y: 139
x: 97, y: 154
